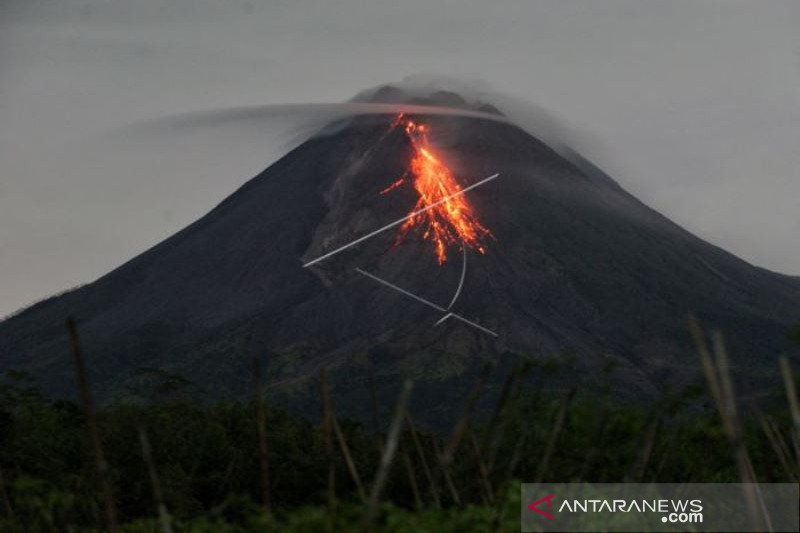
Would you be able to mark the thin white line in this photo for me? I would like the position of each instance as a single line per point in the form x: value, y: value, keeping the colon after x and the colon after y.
x: 397, y: 222
x: 403, y: 291
x: 463, y: 275
x: 424, y: 301
x: 445, y: 317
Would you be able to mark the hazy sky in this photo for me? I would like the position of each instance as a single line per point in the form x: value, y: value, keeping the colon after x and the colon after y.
x: 693, y: 106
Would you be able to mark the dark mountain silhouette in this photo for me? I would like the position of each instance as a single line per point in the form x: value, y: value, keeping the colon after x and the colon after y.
x: 579, y: 273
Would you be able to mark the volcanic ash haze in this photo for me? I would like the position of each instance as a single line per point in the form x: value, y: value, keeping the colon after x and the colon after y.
x: 565, y: 266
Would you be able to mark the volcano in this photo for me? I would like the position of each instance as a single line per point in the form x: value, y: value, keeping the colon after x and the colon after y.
x: 566, y: 267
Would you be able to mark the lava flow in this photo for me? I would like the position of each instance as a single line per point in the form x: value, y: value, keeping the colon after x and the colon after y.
x: 451, y: 222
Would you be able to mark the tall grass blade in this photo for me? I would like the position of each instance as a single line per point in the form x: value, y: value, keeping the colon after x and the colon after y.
x: 92, y: 428
x: 433, y: 486
x: 164, y: 519
x: 412, y: 480
x: 389, y: 449
x: 348, y: 458
x: 466, y: 414
x: 558, y: 425
x: 261, y: 428
x: 794, y: 404
x: 327, y: 430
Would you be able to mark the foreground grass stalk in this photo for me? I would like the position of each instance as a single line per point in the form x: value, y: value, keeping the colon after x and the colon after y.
x: 721, y: 388
x: 558, y: 425
x: 92, y: 428
x: 488, y: 494
x: 466, y: 415
x: 645, y: 453
x: 327, y: 429
x: 709, y: 369
x: 668, y: 448
x: 423, y: 461
x: 163, y: 514
x: 389, y: 449
x: 737, y: 438
x: 412, y: 480
x: 777, y: 444
x: 444, y: 470
x: 445, y: 458
x: 794, y: 404
x: 505, y: 484
x: 261, y: 427
x: 345, y: 449
x: 491, y: 441
x: 502, y: 400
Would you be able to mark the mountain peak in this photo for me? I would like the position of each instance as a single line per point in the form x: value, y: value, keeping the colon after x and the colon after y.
x: 433, y: 94
x: 573, y: 270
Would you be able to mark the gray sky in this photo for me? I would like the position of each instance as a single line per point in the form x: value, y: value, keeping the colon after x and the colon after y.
x: 694, y: 106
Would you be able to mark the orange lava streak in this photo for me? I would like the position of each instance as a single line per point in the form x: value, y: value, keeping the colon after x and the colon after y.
x: 453, y: 222
x: 392, y: 187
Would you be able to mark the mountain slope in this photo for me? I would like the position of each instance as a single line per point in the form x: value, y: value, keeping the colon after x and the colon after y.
x: 577, y: 270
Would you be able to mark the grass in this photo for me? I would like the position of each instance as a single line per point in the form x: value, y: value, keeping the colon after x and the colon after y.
x: 241, y: 466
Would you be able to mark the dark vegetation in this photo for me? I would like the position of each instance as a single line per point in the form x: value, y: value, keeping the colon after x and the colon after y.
x: 200, y: 466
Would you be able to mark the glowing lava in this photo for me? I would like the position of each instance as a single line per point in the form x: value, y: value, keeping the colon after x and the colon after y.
x: 453, y: 221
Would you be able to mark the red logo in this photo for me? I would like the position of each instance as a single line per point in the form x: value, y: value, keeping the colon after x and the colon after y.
x: 535, y: 506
